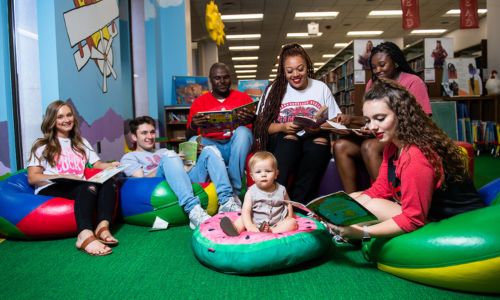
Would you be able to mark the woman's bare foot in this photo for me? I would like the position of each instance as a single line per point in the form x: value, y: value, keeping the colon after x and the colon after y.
x: 87, y: 242
x: 104, y: 235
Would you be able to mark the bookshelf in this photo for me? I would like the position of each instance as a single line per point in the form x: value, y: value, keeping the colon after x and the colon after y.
x: 175, y: 126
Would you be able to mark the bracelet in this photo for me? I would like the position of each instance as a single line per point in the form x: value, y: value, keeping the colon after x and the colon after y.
x: 366, y: 233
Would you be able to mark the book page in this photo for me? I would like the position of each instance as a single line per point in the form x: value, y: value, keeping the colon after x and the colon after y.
x: 106, y: 174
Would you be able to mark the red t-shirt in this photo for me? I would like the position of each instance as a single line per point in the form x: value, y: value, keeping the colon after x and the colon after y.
x: 418, y: 183
x: 207, y: 102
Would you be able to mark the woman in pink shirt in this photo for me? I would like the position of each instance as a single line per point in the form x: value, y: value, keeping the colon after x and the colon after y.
x: 423, y: 176
x: 389, y: 62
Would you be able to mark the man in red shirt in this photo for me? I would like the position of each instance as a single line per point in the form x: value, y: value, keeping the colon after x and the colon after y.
x: 236, y: 144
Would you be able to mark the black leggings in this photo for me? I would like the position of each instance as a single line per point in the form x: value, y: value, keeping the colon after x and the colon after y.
x: 88, y: 196
x: 305, y: 159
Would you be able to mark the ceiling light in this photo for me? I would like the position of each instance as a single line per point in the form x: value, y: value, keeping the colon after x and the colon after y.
x: 319, y: 64
x: 428, y: 31
x: 243, y: 48
x: 272, y: 75
x: 255, y: 36
x: 340, y: 45
x: 244, y: 66
x: 246, y: 76
x: 245, y: 71
x: 316, y: 69
x: 302, y: 35
x: 385, y: 13
x: 365, y: 33
x: 242, y: 17
x: 276, y: 65
x: 274, y: 70
x: 316, y: 15
x: 305, y: 46
x: 456, y: 12
x: 245, y: 58
x: 328, y: 55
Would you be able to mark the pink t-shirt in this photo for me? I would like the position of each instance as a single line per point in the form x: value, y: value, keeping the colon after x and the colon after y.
x: 414, y: 85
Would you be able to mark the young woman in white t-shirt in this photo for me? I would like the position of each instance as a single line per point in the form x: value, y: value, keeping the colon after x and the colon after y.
x: 302, y: 152
x: 62, y: 152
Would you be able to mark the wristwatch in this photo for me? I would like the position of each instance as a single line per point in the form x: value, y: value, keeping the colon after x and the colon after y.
x: 366, y: 234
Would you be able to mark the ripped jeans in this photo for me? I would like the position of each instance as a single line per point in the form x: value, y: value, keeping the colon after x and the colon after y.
x: 209, y: 165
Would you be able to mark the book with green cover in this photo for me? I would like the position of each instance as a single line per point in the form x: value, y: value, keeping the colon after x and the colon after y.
x: 190, y: 152
x: 337, y: 208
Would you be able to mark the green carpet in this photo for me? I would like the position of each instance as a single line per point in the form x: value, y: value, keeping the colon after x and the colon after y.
x: 161, y: 265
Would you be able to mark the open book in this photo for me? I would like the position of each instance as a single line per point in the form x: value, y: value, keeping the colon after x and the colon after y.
x: 312, y: 122
x: 224, y: 120
x: 344, y: 130
x: 99, y: 178
x: 336, y: 208
x: 190, y: 152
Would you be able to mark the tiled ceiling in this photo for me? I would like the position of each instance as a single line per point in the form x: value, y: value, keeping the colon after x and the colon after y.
x: 279, y: 20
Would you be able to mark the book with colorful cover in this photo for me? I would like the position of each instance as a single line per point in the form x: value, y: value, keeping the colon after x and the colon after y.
x: 190, y: 152
x: 315, y: 122
x: 98, y: 178
x: 341, y: 129
x: 225, y: 120
x: 337, y: 208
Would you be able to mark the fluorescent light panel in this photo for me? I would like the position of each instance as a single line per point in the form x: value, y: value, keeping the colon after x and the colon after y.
x: 319, y: 64
x: 305, y: 46
x: 242, y: 17
x: 246, y: 76
x: 365, y: 33
x: 243, y: 48
x: 385, y: 13
x: 245, y: 71
x: 244, y: 66
x: 254, y: 36
x: 272, y: 75
x: 274, y: 70
x: 340, y: 45
x: 456, y: 12
x: 428, y: 31
x: 245, y: 58
x: 328, y: 55
x: 302, y: 35
x: 315, y: 15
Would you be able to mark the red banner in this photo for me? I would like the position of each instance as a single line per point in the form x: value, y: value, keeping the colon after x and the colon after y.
x: 411, y: 14
x: 468, y: 14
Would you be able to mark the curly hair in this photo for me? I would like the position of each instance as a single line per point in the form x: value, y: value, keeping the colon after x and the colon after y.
x: 270, y: 108
x: 52, y: 147
x: 415, y: 127
x: 397, y: 56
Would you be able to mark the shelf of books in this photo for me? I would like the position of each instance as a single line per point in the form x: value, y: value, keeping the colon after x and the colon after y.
x: 175, y: 126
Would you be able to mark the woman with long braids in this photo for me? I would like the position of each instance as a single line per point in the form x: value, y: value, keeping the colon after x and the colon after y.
x: 303, y: 153
x: 423, y: 176
x: 389, y: 62
x: 63, y: 152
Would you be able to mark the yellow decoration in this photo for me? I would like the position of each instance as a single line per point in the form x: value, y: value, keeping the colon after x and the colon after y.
x: 213, y: 21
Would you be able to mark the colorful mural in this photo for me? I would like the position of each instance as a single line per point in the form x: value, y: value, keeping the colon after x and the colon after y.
x: 91, y: 26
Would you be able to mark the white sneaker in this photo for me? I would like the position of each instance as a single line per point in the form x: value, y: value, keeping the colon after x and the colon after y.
x: 197, y: 216
x: 233, y: 204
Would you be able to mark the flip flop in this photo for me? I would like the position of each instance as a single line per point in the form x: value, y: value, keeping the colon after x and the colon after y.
x: 227, y: 227
x: 100, y: 239
x: 86, y: 242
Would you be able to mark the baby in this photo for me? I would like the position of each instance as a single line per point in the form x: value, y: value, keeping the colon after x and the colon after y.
x: 263, y: 208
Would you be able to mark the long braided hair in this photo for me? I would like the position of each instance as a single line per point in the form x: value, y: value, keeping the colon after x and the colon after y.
x: 52, y: 149
x: 415, y: 127
x: 270, y: 107
x: 397, y: 56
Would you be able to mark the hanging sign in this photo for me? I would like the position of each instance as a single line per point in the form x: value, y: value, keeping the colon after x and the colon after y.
x: 468, y: 14
x: 411, y: 15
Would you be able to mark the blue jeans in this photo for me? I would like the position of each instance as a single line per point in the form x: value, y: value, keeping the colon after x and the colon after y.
x: 208, y: 165
x: 234, y: 151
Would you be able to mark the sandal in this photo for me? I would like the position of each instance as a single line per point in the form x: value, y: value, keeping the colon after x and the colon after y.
x: 86, y: 242
x: 228, y: 227
x: 103, y: 240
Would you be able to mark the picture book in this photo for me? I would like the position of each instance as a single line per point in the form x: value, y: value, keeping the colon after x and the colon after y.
x: 337, y: 208
x: 226, y: 120
x: 190, y: 152
x: 99, y: 178
x: 312, y: 122
x: 344, y: 130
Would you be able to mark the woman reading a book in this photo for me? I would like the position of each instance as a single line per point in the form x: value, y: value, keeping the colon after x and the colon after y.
x: 304, y: 152
x: 423, y: 176
x: 63, y: 153
x: 389, y: 62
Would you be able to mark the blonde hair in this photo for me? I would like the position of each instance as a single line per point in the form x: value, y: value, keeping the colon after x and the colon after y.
x: 260, y: 156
